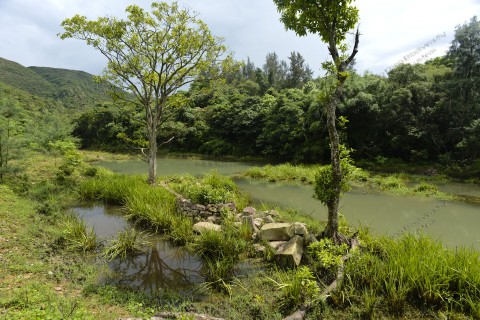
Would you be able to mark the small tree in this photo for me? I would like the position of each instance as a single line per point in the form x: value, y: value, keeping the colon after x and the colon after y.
x: 332, y: 20
x: 150, y: 55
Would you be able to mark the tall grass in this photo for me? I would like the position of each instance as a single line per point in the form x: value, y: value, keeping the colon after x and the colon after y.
x: 77, y: 234
x: 418, y: 271
x: 212, y: 188
x: 283, y: 172
x: 150, y: 206
x: 128, y: 242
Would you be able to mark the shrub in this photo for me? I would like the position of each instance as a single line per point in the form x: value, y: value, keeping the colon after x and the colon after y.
x: 128, y: 242
x: 77, y: 235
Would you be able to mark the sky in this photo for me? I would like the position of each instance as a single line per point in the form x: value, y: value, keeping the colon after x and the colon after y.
x: 392, y: 31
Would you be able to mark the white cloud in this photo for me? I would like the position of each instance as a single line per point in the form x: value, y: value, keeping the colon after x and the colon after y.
x: 390, y: 30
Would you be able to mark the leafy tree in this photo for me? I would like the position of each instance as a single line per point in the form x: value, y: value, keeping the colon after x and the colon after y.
x: 299, y: 72
x: 332, y: 20
x: 275, y: 71
x: 150, y: 55
x: 11, y: 136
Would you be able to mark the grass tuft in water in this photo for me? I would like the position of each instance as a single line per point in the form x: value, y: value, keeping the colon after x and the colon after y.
x: 77, y: 235
x: 128, y: 242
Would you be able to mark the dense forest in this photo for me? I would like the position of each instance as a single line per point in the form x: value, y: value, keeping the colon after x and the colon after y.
x: 418, y: 112
x: 427, y: 112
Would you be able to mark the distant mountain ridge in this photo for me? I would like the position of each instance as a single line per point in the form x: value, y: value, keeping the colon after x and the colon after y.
x: 71, y: 88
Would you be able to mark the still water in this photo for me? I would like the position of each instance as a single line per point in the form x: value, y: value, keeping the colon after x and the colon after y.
x: 453, y: 222
x: 161, y: 266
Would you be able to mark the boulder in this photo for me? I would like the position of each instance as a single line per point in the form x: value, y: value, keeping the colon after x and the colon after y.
x: 200, y: 227
x: 258, y: 222
x: 248, y: 220
x: 258, y: 248
x: 300, y: 229
x: 276, y: 244
x: 274, y: 213
x: 269, y: 219
x: 249, y: 211
x: 290, y: 253
x: 276, y: 232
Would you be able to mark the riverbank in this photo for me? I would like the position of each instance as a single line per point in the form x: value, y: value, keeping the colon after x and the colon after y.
x: 430, y: 289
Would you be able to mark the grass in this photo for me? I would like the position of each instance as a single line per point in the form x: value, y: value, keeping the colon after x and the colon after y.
x: 416, y: 271
x: 128, y: 242
x: 400, y: 184
x: 77, y: 235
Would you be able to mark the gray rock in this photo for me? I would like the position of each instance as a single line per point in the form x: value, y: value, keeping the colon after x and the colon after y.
x: 274, y: 213
x: 269, y: 219
x: 276, y: 244
x: 300, y: 229
x: 290, y: 253
x: 276, y: 232
x: 249, y: 211
x: 248, y: 221
x: 258, y: 222
x: 205, y: 214
x: 258, y: 247
x: 199, y: 207
x: 200, y: 227
x: 212, y: 219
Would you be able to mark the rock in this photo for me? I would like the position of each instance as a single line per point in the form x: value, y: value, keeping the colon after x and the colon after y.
x: 238, y: 217
x: 199, y: 227
x: 274, y: 213
x: 248, y: 220
x: 309, y: 239
x: 258, y: 247
x: 212, y: 208
x: 290, y: 253
x: 300, y: 229
x: 276, y: 244
x: 237, y: 224
x: 249, y: 211
x: 212, y: 219
x: 205, y: 214
x: 230, y: 206
x: 269, y: 219
x: 258, y: 222
x: 199, y: 207
x: 276, y: 231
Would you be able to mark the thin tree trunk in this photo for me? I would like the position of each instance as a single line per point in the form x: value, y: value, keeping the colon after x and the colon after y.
x: 331, y: 230
x: 152, y: 152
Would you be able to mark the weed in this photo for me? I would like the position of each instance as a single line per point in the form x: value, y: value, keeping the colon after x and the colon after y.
x: 127, y: 243
x: 77, y: 235
x: 298, y: 287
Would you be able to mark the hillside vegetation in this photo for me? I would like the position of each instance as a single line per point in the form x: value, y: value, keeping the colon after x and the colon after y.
x: 41, y: 86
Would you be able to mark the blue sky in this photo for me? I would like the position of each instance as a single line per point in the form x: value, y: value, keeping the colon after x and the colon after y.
x: 392, y: 31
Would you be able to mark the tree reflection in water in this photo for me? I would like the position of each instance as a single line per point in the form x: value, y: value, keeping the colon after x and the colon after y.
x: 160, y: 267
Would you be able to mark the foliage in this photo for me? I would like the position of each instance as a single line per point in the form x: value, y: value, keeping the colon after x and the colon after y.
x: 324, y: 187
x: 152, y: 55
x: 415, y: 270
x: 77, y: 234
x: 127, y: 243
x: 298, y: 287
x: 212, y: 188
x: 326, y: 254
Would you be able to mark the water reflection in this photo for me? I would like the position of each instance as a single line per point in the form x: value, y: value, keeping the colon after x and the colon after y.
x: 161, y: 267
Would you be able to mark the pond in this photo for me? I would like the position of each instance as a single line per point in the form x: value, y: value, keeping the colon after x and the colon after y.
x: 161, y: 266
x: 455, y: 223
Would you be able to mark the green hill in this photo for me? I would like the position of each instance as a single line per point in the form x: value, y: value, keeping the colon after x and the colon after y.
x: 17, y: 76
x: 73, y: 89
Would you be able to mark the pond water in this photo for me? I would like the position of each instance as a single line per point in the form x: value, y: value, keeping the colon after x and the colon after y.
x: 453, y: 222
x: 169, y: 166
x: 161, y: 266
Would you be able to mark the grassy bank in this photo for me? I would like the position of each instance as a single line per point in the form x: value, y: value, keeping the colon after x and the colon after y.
x: 51, y: 265
x: 400, y: 184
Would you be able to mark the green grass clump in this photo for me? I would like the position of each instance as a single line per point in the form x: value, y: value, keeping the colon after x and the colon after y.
x: 150, y: 206
x: 426, y: 189
x: 212, y: 188
x: 219, y: 251
x: 283, y: 172
x: 128, y: 242
x: 416, y: 271
x: 298, y: 287
x: 77, y: 234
